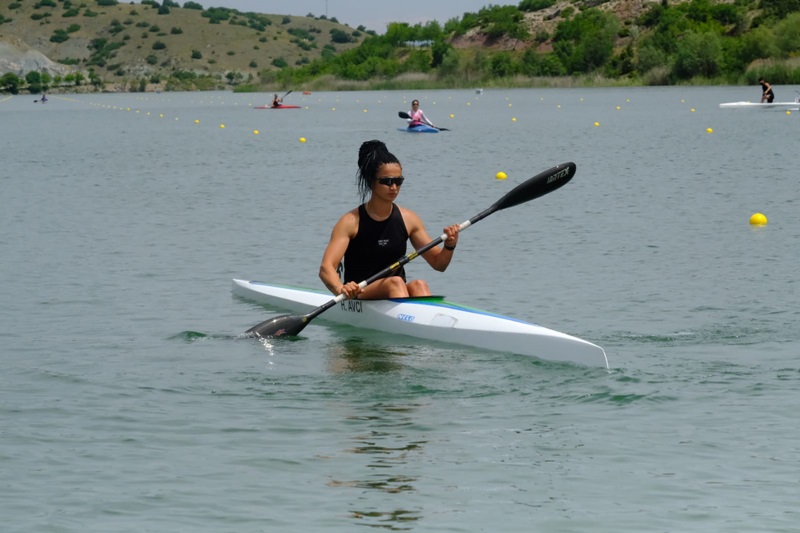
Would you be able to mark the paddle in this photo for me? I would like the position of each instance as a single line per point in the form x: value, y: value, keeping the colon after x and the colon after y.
x: 537, y: 186
x: 403, y: 114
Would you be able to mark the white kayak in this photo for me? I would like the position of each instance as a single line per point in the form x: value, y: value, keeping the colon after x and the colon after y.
x: 758, y: 105
x: 432, y: 318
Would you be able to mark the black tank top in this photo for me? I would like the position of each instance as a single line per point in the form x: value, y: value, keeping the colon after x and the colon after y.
x: 376, y: 246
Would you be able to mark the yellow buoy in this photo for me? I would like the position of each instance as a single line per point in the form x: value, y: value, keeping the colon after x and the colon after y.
x: 758, y: 219
x: 196, y: 121
x: 692, y: 110
x: 596, y: 124
x: 513, y: 119
x: 501, y: 175
x: 222, y: 126
x: 709, y: 130
x: 302, y: 139
x: 788, y: 112
x: 452, y: 115
x: 256, y: 132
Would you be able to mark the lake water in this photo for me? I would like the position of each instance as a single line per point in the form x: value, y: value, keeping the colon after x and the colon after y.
x: 130, y: 403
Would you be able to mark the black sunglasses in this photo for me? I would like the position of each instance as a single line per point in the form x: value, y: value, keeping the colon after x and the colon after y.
x: 391, y: 181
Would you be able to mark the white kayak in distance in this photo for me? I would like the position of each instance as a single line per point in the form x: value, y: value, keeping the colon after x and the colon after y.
x: 789, y: 106
x: 432, y: 318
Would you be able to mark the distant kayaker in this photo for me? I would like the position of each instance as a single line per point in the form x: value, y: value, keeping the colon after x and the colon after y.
x: 276, y: 101
x: 374, y: 235
x: 766, y: 95
x: 417, y: 116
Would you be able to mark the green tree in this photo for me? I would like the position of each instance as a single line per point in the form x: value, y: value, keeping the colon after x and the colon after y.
x: 59, y: 36
x: 10, y: 83
x: 450, y: 63
x: 779, y: 8
x: 535, y: 5
x: 649, y: 57
x: 439, y: 51
x: 499, y: 21
x: 502, y: 65
x: 34, y: 80
x: 699, y: 54
x: 787, y: 35
x: 758, y: 43
x: 340, y: 36
x: 586, y: 42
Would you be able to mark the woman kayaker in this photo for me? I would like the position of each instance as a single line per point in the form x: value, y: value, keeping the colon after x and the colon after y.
x: 417, y: 116
x: 374, y: 235
x: 276, y: 101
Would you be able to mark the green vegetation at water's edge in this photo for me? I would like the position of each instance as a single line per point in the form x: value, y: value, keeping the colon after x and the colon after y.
x: 698, y: 41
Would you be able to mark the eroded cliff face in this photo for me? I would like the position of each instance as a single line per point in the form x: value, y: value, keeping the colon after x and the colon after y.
x: 18, y: 58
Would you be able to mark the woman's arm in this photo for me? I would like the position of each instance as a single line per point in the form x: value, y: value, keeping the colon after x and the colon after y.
x: 425, y: 119
x: 438, y: 258
x: 344, y: 230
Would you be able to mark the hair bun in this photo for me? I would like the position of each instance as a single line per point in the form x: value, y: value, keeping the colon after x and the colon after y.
x: 368, y: 149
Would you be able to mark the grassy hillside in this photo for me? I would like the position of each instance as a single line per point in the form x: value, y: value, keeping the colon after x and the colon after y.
x: 125, y: 42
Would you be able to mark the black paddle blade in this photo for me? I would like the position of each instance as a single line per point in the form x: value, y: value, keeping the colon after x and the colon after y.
x: 539, y: 185
x: 280, y: 326
x: 403, y: 114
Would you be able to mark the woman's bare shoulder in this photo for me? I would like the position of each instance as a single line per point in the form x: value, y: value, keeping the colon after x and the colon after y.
x: 410, y: 217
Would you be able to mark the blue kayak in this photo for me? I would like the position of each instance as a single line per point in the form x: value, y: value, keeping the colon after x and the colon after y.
x: 422, y: 128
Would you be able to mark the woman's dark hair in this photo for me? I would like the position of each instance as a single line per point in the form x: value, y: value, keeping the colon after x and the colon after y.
x: 371, y: 156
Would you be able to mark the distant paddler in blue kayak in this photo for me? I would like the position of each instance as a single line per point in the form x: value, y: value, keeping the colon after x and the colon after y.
x: 418, y: 122
x: 416, y: 117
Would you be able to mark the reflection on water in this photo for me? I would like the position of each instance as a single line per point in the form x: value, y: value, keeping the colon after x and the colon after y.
x: 354, y: 354
x: 386, y: 436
